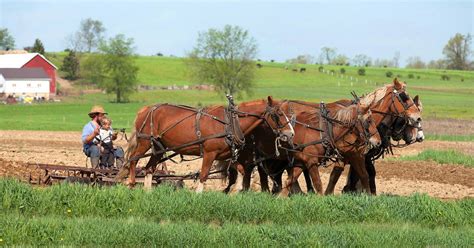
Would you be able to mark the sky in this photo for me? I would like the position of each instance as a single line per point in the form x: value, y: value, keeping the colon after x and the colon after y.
x: 282, y: 29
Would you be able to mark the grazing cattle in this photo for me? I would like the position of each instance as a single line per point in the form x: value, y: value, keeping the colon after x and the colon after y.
x: 295, y: 70
x: 302, y: 69
x: 259, y: 65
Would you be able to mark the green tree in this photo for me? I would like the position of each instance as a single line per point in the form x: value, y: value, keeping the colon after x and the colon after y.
x: 93, y: 68
x: 457, y: 52
x: 71, y: 66
x: 6, y: 40
x: 120, y: 71
x: 38, y: 47
x: 224, y: 58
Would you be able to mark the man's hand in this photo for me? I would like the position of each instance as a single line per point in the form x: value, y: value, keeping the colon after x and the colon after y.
x: 91, y: 136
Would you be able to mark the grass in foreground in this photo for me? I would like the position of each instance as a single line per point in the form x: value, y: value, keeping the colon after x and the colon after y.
x: 443, y: 157
x: 166, y: 204
x: 81, y: 215
x: 94, y: 231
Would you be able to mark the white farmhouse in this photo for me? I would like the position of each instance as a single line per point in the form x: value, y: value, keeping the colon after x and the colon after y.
x: 26, y: 82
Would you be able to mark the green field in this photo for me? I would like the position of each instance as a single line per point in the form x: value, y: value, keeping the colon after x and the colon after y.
x: 441, y: 99
x: 65, y: 215
x: 443, y: 157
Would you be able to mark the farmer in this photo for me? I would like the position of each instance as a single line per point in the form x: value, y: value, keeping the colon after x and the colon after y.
x: 90, y: 131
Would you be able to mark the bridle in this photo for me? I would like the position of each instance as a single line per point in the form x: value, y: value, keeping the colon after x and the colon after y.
x: 402, y: 97
x: 275, y: 112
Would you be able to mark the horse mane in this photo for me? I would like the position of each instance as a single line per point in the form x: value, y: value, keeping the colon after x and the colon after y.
x: 251, y: 103
x: 375, y: 95
x: 345, y: 115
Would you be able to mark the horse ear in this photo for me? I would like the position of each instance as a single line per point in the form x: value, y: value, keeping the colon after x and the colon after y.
x: 397, y: 84
x: 416, y: 100
x: 270, y: 100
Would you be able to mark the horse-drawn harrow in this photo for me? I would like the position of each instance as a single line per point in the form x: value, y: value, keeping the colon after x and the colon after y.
x: 53, y: 174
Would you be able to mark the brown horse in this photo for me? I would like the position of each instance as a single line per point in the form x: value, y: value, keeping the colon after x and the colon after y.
x: 189, y: 131
x: 349, y: 131
x: 397, y: 116
x: 388, y: 106
x: 400, y: 129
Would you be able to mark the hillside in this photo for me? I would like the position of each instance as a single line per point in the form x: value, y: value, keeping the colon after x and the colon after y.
x: 441, y: 99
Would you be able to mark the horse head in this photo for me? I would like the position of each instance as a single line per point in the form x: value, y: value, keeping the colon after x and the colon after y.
x: 409, y: 132
x: 367, y: 127
x: 278, y: 120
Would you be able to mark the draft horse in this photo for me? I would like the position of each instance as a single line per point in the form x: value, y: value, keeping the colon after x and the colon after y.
x: 215, y: 133
x: 322, y: 135
x: 398, y: 117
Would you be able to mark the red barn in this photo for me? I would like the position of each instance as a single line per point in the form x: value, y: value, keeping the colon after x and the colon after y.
x: 31, y: 60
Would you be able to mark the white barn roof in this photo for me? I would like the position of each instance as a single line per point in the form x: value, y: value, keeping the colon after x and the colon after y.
x: 19, y: 60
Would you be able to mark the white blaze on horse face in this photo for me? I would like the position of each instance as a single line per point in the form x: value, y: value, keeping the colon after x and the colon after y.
x: 291, y: 132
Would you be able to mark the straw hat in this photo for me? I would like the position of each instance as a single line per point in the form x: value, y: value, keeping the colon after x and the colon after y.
x: 97, y: 109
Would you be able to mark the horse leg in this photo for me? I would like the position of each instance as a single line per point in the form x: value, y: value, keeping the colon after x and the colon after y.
x: 248, y: 169
x: 293, y: 174
x: 335, y: 174
x: 352, y: 181
x: 277, y: 180
x: 314, y: 173
x: 207, y: 160
x: 295, y: 186
x: 307, y: 178
x: 232, y: 177
x: 359, y: 168
x: 263, y: 179
x: 369, y: 165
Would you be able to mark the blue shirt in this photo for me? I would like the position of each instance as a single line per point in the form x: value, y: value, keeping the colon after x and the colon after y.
x: 86, y: 131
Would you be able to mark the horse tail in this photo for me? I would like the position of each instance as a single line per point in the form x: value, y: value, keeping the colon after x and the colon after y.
x: 132, y: 145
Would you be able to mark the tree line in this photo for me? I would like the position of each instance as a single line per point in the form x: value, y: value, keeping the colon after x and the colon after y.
x: 457, y: 56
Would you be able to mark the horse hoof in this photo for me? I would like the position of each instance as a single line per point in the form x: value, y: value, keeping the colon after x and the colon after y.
x: 200, y: 188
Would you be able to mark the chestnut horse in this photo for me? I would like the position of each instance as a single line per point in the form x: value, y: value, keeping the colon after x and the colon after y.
x: 188, y: 131
x: 346, y: 132
x: 400, y: 129
x: 389, y: 104
x: 396, y: 115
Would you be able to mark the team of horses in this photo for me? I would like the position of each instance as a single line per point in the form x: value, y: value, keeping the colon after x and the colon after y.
x: 280, y: 135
